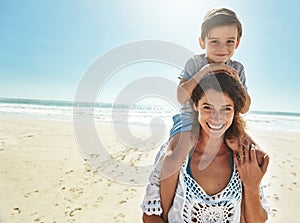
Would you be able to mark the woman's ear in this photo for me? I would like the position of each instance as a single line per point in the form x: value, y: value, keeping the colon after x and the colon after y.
x: 201, y: 43
x: 195, y: 107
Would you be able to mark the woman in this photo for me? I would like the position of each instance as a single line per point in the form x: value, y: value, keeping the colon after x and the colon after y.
x: 213, y: 184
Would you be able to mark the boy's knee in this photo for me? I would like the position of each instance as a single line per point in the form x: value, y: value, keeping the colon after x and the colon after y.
x: 173, y: 141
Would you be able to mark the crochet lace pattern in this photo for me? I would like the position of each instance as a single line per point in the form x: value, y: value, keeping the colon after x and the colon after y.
x: 193, y: 204
x: 200, y: 207
x: 151, y: 204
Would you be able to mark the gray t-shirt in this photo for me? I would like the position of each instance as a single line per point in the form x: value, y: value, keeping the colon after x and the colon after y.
x: 196, y: 63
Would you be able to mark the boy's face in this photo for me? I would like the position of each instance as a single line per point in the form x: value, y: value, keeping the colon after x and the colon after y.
x: 220, y: 43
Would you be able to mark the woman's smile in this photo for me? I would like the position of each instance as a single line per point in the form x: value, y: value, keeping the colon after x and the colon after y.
x: 216, y: 111
x: 215, y: 126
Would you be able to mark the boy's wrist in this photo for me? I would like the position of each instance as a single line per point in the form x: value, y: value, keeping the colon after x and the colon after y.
x: 198, y: 76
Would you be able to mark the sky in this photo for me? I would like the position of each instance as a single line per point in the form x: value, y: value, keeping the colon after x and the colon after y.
x: 46, y: 47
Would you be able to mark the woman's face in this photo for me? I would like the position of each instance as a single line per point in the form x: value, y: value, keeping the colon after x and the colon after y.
x: 216, y: 112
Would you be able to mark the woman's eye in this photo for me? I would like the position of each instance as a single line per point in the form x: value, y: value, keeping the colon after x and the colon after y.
x: 207, y: 108
x: 226, y: 109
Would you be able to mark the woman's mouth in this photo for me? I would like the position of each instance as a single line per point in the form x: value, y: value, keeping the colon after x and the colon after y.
x: 216, y: 127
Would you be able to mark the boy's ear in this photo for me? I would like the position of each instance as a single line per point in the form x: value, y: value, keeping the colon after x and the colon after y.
x: 201, y: 43
x: 237, y: 43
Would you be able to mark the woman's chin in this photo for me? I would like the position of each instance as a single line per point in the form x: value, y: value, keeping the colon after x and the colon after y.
x: 215, y: 133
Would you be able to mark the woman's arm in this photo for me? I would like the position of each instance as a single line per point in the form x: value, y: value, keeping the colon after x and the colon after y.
x: 151, y: 205
x: 152, y: 219
x: 254, y: 212
x: 251, y: 174
x: 167, y: 193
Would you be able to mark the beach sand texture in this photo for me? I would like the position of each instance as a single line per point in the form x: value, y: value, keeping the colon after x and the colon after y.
x: 44, y: 177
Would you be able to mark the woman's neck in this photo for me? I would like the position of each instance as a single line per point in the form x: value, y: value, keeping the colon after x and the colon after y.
x: 210, y: 145
x: 208, y: 149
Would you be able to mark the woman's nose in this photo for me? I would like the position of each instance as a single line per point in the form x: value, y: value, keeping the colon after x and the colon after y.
x: 216, y: 116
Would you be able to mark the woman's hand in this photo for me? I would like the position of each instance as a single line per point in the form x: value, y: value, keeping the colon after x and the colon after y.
x: 250, y: 171
x: 251, y: 175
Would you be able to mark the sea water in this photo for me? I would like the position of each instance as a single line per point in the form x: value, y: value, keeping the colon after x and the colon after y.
x: 133, y: 114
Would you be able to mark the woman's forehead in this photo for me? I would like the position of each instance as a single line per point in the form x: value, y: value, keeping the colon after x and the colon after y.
x: 214, y: 97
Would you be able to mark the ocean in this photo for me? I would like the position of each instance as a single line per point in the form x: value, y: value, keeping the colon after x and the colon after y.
x: 133, y: 115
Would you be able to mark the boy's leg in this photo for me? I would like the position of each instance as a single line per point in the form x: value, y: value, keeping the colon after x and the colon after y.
x: 236, y: 146
x: 177, y: 150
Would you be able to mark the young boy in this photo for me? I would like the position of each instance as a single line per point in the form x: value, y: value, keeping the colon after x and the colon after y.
x: 221, y: 31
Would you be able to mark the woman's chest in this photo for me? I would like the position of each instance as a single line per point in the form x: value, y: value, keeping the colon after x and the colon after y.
x: 219, y: 203
x: 214, y: 178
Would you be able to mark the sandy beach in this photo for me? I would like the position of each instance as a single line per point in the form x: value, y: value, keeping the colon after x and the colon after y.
x: 45, y: 178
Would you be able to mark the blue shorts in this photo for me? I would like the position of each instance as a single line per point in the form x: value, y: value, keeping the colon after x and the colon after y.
x: 181, y: 123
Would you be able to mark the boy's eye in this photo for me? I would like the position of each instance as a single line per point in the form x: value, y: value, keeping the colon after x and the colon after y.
x: 213, y: 41
x: 231, y: 41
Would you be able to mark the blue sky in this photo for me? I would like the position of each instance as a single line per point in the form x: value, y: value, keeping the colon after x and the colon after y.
x: 47, y: 46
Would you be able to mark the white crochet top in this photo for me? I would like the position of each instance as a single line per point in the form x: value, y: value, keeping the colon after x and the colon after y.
x: 191, y: 203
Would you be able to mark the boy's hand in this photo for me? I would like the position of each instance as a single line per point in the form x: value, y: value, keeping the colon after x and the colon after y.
x: 215, y: 68
x: 219, y: 67
x: 186, y: 87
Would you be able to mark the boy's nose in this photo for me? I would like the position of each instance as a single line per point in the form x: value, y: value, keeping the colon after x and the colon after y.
x: 221, y: 46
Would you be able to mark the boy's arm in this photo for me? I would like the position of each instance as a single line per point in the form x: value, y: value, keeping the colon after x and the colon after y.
x: 247, y: 104
x: 242, y: 78
x: 186, y: 87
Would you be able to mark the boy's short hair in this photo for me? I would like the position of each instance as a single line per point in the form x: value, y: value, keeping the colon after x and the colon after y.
x: 219, y: 17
